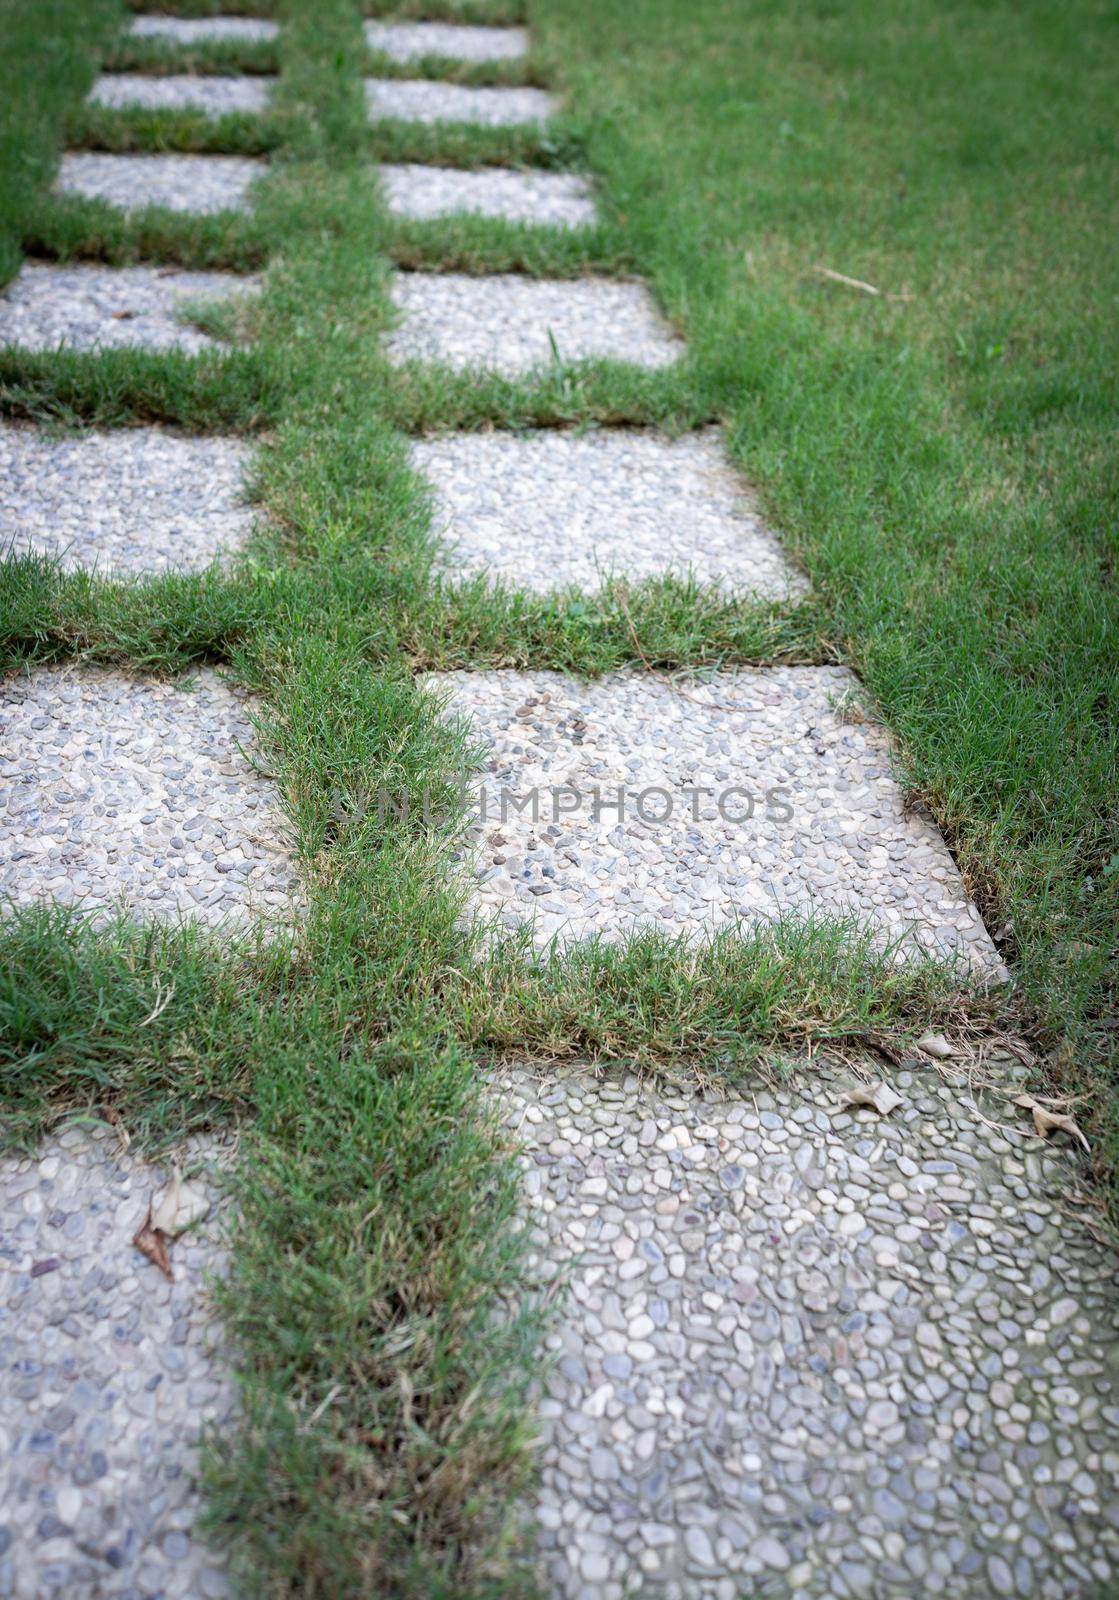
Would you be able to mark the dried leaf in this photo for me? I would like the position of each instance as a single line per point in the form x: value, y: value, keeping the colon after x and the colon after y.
x: 179, y: 1206
x: 1047, y: 1120
x: 152, y: 1242
x: 935, y: 1044
x: 879, y: 1097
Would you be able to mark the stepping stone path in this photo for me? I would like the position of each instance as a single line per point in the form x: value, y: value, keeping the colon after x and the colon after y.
x: 424, y: 100
x: 192, y: 30
x: 139, y: 793
x: 412, y: 41
x: 508, y: 324
x: 814, y: 1352
x: 551, y: 199
x: 91, y: 308
x: 804, y: 1349
x: 216, y: 96
x: 138, y: 500
x: 109, y: 1376
x: 686, y: 808
x: 181, y: 183
x: 545, y: 510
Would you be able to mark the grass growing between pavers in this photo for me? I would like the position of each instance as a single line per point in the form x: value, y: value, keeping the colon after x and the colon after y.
x: 374, y: 1267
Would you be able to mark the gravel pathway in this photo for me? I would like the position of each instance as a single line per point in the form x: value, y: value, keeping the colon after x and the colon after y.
x: 116, y: 790
x: 110, y: 1373
x: 189, y: 30
x: 182, y: 92
x: 548, y: 509
x: 181, y: 183
x: 829, y: 831
x: 89, y: 308
x: 136, y: 500
x: 425, y: 100
x: 548, y: 199
x: 815, y: 1353
x: 507, y: 323
x: 411, y: 41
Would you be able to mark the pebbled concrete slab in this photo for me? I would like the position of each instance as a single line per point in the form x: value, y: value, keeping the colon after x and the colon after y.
x: 200, y: 184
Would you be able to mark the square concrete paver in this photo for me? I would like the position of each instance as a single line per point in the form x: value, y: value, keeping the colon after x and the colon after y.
x: 133, y: 501
x: 89, y: 308
x: 180, y: 183
x: 511, y: 324
x: 425, y: 100
x: 192, y: 30
x: 547, y: 199
x: 115, y: 790
x: 742, y: 797
x: 411, y: 41
x: 111, y: 1373
x: 182, y: 92
x: 549, y: 509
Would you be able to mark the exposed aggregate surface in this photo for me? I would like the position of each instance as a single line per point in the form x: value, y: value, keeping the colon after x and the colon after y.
x: 544, y: 510
x: 508, y: 323
x: 200, y: 184
x: 546, y: 199
x: 114, y: 790
x: 214, y: 94
x: 133, y: 501
x: 426, y: 100
x: 411, y: 41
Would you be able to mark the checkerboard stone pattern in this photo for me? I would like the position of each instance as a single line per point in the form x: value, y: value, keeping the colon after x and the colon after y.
x: 117, y: 791
x: 91, y: 308
x: 214, y: 95
x: 742, y: 797
x: 411, y: 41
x: 110, y: 1374
x: 195, y: 30
x: 511, y: 324
x: 134, y: 501
x: 200, y: 184
x: 546, y: 510
x: 427, y: 100
x: 545, y: 199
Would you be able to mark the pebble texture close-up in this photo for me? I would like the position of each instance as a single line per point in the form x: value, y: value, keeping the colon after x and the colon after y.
x: 137, y: 500
x: 425, y: 100
x: 810, y: 1351
x: 412, y: 41
x: 745, y: 796
x: 181, y: 92
x: 512, y: 324
x: 114, y: 790
x: 546, y: 199
x: 93, y: 308
x: 193, y: 30
x: 180, y: 183
x: 549, y: 509
x: 110, y: 1374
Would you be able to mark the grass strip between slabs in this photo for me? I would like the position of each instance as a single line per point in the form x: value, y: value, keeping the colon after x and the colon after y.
x: 378, y: 1294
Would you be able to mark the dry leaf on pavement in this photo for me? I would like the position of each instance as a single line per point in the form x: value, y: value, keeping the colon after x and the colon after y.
x: 879, y: 1097
x: 1048, y: 1119
x: 152, y: 1242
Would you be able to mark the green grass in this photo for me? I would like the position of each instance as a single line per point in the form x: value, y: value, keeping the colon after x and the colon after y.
x: 938, y: 464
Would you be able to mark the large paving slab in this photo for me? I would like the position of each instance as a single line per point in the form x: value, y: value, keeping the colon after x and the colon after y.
x: 133, y: 501
x: 805, y: 1352
x: 214, y: 95
x: 544, y: 510
x: 411, y: 41
x: 426, y: 100
x: 192, y: 30
x: 89, y: 308
x: 745, y: 796
x: 110, y: 1374
x: 547, y: 199
x: 511, y: 324
x: 118, y: 791
x: 181, y: 183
